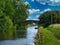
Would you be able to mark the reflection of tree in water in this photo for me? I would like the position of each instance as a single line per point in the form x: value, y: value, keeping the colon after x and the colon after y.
x: 21, y: 33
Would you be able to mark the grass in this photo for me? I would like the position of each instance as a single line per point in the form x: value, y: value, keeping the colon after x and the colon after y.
x: 44, y: 37
x: 55, y: 31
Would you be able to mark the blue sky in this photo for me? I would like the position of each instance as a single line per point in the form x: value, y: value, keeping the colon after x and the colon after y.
x: 39, y: 6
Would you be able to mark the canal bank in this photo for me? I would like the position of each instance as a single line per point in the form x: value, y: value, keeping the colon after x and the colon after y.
x: 45, y: 37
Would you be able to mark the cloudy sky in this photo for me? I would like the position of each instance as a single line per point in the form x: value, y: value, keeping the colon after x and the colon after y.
x: 39, y: 6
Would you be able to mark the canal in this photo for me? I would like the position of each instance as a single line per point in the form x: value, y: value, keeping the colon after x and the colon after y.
x: 28, y: 40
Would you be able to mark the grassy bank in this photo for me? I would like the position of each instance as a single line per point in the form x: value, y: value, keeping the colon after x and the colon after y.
x: 44, y: 37
x: 55, y: 31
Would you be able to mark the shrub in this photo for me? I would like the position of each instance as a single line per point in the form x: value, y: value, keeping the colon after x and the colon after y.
x: 6, y: 28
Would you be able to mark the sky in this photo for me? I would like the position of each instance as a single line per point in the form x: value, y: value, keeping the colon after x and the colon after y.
x: 40, y: 6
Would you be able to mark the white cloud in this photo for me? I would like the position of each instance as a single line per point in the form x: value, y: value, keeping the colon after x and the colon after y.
x: 26, y: 2
x: 49, y: 2
x: 35, y: 19
x: 55, y: 1
x: 43, y: 3
x: 29, y: 18
x: 37, y: 16
x: 34, y: 11
x: 31, y: 11
x: 48, y: 9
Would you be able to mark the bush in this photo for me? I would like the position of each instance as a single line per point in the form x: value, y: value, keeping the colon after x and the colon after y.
x: 6, y: 28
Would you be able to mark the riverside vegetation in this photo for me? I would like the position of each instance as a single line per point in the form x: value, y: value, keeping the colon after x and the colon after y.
x: 12, y: 14
x: 50, y: 33
x: 45, y: 37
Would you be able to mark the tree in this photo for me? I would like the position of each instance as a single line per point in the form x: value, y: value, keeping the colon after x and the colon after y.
x: 6, y: 28
x: 12, y: 13
x: 49, y: 17
x: 21, y: 13
x: 17, y: 11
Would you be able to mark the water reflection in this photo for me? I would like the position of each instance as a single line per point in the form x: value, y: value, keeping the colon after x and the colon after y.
x: 21, y: 33
x: 29, y: 40
x: 31, y: 32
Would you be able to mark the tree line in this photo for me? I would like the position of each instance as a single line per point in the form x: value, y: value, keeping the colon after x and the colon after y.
x: 49, y: 17
x: 12, y: 14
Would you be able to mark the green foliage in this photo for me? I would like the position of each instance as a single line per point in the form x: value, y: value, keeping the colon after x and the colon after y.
x: 12, y: 14
x: 55, y: 31
x: 15, y: 9
x: 1, y: 13
x: 6, y: 28
x: 46, y: 39
x: 49, y: 17
x: 21, y: 13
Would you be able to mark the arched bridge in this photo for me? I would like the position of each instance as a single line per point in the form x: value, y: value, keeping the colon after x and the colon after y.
x: 31, y: 21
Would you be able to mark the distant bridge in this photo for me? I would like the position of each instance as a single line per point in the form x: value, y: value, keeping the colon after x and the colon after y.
x: 31, y: 21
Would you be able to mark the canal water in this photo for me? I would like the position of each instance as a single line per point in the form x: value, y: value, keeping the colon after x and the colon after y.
x: 28, y: 40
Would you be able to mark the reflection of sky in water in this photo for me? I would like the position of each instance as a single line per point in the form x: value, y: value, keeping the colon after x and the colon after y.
x: 31, y: 32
